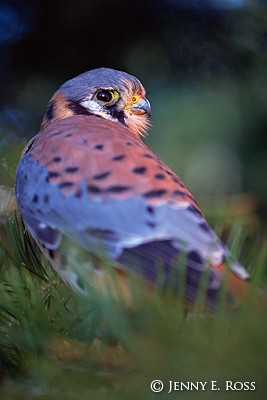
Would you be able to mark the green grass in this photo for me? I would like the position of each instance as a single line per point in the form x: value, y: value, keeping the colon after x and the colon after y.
x: 56, y: 344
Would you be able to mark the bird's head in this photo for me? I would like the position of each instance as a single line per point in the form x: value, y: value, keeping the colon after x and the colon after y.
x: 102, y: 92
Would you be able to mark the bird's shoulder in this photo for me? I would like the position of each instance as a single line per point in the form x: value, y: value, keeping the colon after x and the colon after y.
x: 112, y: 161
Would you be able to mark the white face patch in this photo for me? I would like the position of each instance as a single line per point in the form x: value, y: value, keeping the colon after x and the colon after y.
x: 94, y: 107
x: 138, y: 124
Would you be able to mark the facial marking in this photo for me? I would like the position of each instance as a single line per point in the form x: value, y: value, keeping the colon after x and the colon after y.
x: 87, y: 94
x: 57, y: 109
x: 132, y: 100
x: 97, y: 109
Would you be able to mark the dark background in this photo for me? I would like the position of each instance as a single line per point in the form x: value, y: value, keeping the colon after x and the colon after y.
x: 203, y: 63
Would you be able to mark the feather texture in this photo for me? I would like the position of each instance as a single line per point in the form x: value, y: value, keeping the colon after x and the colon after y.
x: 93, y: 180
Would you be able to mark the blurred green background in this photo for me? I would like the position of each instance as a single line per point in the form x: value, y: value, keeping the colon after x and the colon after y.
x: 203, y: 63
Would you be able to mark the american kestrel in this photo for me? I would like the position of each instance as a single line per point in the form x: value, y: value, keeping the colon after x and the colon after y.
x: 87, y: 181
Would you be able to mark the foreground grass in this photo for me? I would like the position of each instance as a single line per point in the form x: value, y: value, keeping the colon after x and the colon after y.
x: 56, y: 344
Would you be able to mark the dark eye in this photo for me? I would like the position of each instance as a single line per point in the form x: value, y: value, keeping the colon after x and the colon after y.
x: 104, y: 95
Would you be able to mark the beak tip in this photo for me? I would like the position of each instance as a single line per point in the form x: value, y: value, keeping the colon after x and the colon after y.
x: 141, y: 107
x: 147, y: 107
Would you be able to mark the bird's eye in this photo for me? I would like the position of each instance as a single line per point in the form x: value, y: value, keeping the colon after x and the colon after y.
x: 106, y: 96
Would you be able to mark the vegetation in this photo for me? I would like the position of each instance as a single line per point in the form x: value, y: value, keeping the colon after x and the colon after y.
x: 203, y: 64
x: 56, y: 344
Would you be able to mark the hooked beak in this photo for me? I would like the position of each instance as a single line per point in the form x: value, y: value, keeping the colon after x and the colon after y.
x: 141, y: 107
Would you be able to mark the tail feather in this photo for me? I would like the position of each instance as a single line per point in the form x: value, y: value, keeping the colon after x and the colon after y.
x: 242, y: 290
x: 159, y: 259
x: 235, y: 285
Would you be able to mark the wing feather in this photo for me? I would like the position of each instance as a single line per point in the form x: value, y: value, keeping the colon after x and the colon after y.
x: 97, y: 182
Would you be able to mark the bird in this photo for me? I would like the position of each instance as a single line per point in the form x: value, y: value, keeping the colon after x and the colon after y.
x: 87, y: 185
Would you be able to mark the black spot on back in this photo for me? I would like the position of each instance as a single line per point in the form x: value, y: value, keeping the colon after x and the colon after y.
x: 67, y: 184
x: 93, y: 189
x: 150, y: 209
x: 119, y: 157
x: 139, y: 170
x: 147, y: 155
x: 52, y: 174
x: 35, y: 198
x: 155, y: 193
x: 99, y: 146
x: 117, y: 189
x: 169, y: 173
x: 205, y: 227
x: 68, y: 135
x: 102, y: 176
x: 46, y: 198
x: 159, y: 176
x: 56, y: 159
x: 193, y: 210
x: 179, y: 193
x: 71, y: 170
